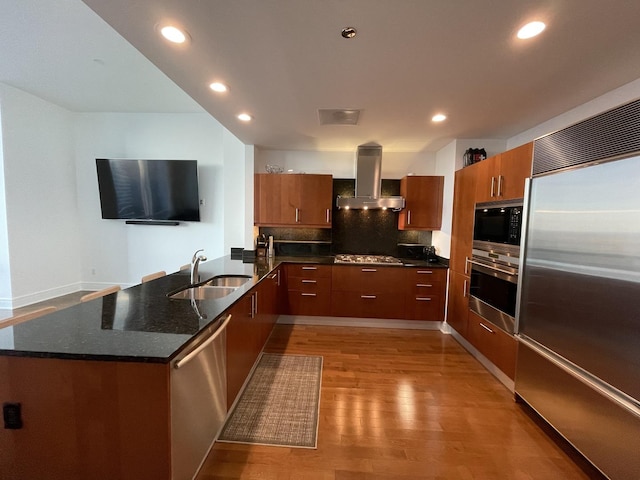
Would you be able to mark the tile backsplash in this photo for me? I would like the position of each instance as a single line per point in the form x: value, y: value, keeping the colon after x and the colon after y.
x: 372, y: 232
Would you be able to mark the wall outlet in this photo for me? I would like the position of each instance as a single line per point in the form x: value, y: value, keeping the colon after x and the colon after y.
x: 12, y: 415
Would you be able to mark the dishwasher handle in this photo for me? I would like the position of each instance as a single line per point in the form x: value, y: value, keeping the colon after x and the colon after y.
x: 192, y: 354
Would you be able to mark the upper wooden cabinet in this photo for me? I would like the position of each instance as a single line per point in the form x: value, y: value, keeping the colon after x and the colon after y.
x: 423, y: 196
x: 464, y: 192
x: 293, y: 200
x: 502, y: 177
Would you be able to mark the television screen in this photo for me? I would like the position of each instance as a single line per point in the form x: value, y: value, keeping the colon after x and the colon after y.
x: 148, y: 189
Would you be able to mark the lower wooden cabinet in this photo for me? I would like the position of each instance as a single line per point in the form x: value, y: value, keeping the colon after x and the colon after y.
x: 367, y: 291
x: 458, y: 311
x: 308, y: 289
x: 425, y: 294
x: 494, y: 343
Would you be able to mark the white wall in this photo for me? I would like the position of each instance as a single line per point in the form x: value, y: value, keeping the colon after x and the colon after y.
x: 56, y: 242
x: 395, y: 165
x: 40, y: 199
x: 116, y: 253
x: 5, y: 264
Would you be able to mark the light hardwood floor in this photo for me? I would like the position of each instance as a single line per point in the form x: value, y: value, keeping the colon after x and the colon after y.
x: 402, y: 404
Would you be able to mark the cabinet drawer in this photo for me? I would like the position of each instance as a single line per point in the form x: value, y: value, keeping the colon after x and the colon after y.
x: 425, y: 307
x: 304, y: 284
x: 367, y: 305
x: 368, y: 279
x: 308, y: 271
x: 427, y: 275
x: 309, y: 303
x: 495, y: 344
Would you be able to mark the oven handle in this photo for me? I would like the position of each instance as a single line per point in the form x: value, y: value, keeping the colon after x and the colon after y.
x: 506, y: 275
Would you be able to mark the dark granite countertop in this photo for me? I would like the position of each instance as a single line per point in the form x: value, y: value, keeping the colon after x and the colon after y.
x: 140, y: 323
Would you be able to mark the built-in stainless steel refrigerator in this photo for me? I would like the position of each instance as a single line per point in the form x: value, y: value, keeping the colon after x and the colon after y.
x: 579, y: 307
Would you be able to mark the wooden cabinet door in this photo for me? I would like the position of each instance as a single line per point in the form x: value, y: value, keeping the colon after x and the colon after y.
x: 515, y: 168
x: 242, y: 346
x: 458, y: 306
x: 463, y: 218
x: 315, y: 200
x: 293, y: 200
x: 495, y: 344
x: 273, y: 204
x: 487, y: 172
x: 423, y: 197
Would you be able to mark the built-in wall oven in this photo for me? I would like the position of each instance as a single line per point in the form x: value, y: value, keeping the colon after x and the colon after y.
x: 495, y: 262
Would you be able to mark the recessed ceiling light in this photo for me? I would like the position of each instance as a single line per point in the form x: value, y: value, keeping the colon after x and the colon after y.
x: 244, y: 117
x: 218, y: 87
x: 349, y: 32
x: 173, y: 34
x: 438, y: 117
x: 531, y: 29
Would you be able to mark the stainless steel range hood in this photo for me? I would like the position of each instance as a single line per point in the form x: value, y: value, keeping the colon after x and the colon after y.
x: 369, y: 183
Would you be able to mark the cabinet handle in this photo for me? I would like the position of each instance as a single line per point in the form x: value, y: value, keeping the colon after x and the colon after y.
x: 500, y: 177
x: 466, y: 265
x: 278, y: 283
x: 308, y: 294
x: 464, y: 289
x: 298, y: 215
x: 253, y: 306
x: 328, y: 216
x: 423, y: 299
x: 369, y: 270
x: 428, y: 285
x: 272, y: 276
x: 368, y: 297
x: 256, y: 311
x: 493, y: 184
x: 309, y: 281
x: 425, y: 272
x: 193, y: 353
x: 309, y: 268
x: 408, y: 217
x: 486, y: 328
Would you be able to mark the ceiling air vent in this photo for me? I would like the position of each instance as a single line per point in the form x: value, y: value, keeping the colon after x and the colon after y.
x: 329, y: 116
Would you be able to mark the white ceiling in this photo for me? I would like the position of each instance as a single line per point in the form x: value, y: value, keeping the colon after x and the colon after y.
x: 285, y: 59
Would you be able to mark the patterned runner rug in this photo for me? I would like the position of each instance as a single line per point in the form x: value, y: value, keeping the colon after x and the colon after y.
x: 279, y: 405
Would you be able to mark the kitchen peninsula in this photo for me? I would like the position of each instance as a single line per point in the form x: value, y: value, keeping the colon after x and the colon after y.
x: 98, y: 386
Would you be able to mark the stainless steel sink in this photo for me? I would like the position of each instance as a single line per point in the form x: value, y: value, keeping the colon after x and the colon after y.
x: 227, y: 281
x: 203, y: 292
x: 216, y: 287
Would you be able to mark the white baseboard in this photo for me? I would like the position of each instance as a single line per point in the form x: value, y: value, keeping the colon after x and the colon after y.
x: 24, y: 300
x: 358, y: 322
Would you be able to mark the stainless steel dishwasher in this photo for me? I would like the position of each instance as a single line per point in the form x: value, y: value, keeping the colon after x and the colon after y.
x: 198, y: 400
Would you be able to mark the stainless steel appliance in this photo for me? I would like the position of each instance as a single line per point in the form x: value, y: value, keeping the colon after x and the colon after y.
x: 579, y: 326
x: 198, y: 400
x: 498, y: 222
x: 368, y: 259
x: 495, y: 262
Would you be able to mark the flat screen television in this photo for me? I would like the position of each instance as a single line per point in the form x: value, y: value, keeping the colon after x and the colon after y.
x: 151, y: 190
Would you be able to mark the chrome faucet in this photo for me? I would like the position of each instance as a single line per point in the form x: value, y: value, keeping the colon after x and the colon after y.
x: 195, y: 262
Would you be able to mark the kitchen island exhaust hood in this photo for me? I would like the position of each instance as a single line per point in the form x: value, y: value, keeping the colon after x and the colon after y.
x: 369, y: 183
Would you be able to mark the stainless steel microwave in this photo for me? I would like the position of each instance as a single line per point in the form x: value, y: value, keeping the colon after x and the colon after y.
x: 498, y: 222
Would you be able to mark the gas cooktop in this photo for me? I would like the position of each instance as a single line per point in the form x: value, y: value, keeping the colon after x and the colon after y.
x: 368, y: 259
